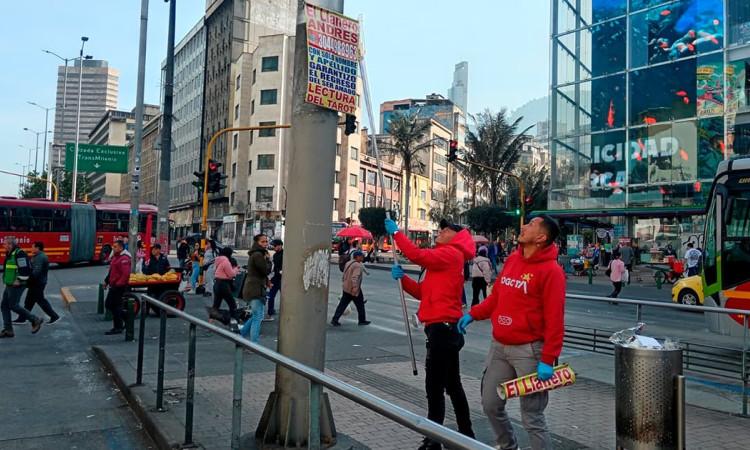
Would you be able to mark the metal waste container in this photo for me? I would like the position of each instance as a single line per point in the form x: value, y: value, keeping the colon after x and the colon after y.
x: 649, y: 399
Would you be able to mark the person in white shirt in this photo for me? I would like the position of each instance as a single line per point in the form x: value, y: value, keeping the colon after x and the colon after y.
x: 692, y: 260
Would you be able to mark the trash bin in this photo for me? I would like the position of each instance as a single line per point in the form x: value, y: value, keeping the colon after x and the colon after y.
x: 649, y: 412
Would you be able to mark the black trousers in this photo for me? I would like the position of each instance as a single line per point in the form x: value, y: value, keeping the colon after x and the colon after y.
x: 617, y: 288
x: 478, y: 284
x: 359, y: 303
x: 223, y: 292
x: 113, y: 303
x: 35, y: 296
x: 443, y: 375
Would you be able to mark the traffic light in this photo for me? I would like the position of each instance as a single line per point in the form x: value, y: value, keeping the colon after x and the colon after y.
x: 452, y: 150
x: 516, y: 212
x: 529, y: 200
x: 215, y: 177
x: 198, y: 183
x: 350, y: 126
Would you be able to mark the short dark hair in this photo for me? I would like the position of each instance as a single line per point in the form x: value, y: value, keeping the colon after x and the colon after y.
x: 120, y: 242
x: 690, y: 245
x: 39, y: 245
x: 157, y: 245
x: 226, y: 251
x: 551, y: 227
x: 257, y: 237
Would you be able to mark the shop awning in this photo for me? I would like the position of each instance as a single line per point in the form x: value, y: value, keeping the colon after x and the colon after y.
x: 623, y: 212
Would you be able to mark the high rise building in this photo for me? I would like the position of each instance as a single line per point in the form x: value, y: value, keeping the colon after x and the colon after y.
x: 458, y: 93
x: 647, y: 98
x: 99, y: 90
x: 187, y: 129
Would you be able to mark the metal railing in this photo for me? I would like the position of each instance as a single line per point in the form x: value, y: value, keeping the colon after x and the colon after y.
x: 317, y: 379
x: 711, y: 360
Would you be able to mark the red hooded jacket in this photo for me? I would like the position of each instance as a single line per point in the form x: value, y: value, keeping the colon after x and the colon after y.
x: 527, y: 303
x: 119, y: 270
x: 440, y: 291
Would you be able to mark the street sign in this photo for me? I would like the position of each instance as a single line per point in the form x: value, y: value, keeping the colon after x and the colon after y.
x: 332, y: 54
x: 97, y: 158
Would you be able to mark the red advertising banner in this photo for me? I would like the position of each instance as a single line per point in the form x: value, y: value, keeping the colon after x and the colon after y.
x: 332, y: 55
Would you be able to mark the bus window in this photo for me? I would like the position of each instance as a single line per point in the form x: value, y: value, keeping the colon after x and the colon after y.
x: 41, y: 220
x: 20, y: 219
x: 736, y: 252
x: 4, y: 218
x: 709, y: 252
x: 112, y: 222
x: 61, y: 221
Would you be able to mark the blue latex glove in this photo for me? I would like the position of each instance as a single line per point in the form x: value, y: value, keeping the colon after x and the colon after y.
x: 464, y: 322
x: 543, y: 371
x: 390, y: 226
x: 397, y: 272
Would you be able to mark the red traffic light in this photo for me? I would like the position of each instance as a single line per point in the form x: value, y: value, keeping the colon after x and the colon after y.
x: 212, y: 165
x: 529, y: 200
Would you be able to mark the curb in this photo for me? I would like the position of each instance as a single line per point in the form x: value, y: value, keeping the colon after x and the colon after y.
x: 67, y: 297
x: 136, y: 405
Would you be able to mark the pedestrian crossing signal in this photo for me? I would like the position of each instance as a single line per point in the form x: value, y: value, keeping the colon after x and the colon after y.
x: 452, y: 150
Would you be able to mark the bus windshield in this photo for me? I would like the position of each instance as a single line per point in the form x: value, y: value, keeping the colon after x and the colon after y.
x: 736, y: 245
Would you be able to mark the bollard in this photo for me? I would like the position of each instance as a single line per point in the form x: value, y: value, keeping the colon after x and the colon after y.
x: 659, y: 277
x: 129, y: 319
x: 100, y: 300
x: 591, y: 275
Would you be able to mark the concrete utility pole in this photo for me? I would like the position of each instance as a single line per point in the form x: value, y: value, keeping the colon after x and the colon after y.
x: 302, y: 325
x: 162, y: 228
x: 135, y: 195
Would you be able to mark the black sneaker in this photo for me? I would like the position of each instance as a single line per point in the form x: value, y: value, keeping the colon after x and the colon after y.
x: 7, y: 334
x: 36, y: 325
x: 335, y: 323
x: 19, y: 320
x: 364, y: 322
x: 114, y: 331
x: 429, y: 444
x: 53, y: 320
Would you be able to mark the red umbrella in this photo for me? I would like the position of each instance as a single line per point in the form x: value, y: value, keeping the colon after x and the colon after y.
x: 354, y: 231
x: 480, y: 239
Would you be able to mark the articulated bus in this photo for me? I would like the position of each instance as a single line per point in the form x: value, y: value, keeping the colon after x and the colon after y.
x: 71, y: 232
x: 725, y: 274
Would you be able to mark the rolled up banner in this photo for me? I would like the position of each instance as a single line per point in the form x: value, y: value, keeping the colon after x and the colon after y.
x: 563, y: 375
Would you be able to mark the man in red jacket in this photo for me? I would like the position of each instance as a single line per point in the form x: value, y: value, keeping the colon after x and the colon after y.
x: 526, y: 306
x: 439, y: 310
x: 117, y: 283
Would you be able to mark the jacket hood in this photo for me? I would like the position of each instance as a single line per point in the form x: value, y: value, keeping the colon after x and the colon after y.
x: 464, y: 243
x: 125, y: 252
x: 543, y: 254
x: 257, y: 248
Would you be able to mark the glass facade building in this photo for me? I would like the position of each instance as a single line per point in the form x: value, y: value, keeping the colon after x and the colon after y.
x: 647, y: 97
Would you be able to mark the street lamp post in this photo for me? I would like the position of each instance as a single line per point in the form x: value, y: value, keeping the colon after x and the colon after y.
x: 78, y: 118
x: 36, y: 148
x: 47, y: 163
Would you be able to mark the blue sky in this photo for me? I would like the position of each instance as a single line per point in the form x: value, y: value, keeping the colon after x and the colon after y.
x: 412, y: 47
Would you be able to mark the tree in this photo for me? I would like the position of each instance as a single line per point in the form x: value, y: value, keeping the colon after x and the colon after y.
x: 473, y: 175
x: 449, y: 209
x: 66, y: 187
x: 407, y: 138
x: 490, y: 219
x: 373, y: 220
x: 34, y: 186
x: 496, y: 144
x: 536, y: 184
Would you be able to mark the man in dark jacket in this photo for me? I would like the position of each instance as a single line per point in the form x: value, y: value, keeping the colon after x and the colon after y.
x: 278, y: 262
x: 16, y: 272
x: 256, y: 286
x: 183, y: 251
x: 439, y: 294
x: 156, y: 263
x: 37, y: 284
x: 117, y: 283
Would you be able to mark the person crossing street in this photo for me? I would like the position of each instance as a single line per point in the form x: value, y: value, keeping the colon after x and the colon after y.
x: 527, y: 306
x: 16, y: 272
x: 439, y: 294
x: 352, y: 289
x: 255, y: 288
x: 37, y: 284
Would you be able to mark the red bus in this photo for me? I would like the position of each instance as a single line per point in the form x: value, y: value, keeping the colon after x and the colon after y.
x: 71, y: 232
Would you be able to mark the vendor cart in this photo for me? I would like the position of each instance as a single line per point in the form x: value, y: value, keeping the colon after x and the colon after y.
x: 164, y: 288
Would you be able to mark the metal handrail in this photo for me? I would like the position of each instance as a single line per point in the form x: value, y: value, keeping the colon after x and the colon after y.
x: 317, y: 378
x: 745, y: 314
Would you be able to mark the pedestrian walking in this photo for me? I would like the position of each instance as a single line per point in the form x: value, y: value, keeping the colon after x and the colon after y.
x: 37, y: 284
x: 492, y: 256
x: 256, y: 286
x: 116, y: 283
x: 439, y: 310
x: 157, y: 263
x: 278, y: 265
x: 209, y: 268
x: 616, y: 271
x: 526, y: 306
x: 692, y: 260
x: 222, y: 286
x: 16, y: 273
x: 183, y: 252
x: 352, y: 290
x: 481, y: 276
x: 195, y: 259
x: 627, y: 255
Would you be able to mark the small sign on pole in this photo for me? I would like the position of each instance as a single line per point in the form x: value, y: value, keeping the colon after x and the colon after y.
x: 332, y: 55
x: 97, y: 158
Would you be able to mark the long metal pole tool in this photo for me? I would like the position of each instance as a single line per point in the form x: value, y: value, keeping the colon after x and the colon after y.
x: 373, y: 139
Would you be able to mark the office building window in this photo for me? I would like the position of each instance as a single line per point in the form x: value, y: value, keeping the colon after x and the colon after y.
x: 422, y: 214
x: 353, y: 153
x: 252, y: 106
x: 237, y: 82
x: 269, y: 64
x: 249, y: 170
x: 738, y: 16
x: 266, y: 162
x: 351, y: 208
x: 264, y: 194
x: 397, y: 185
x: 371, y: 177
x: 423, y: 196
x: 649, y: 105
x: 270, y: 132
x: 338, y: 149
x: 254, y: 76
x: 236, y: 112
x: 234, y: 170
x: 352, y: 180
x: 231, y: 198
x: 370, y: 200
x: 235, y: 140
x: 268, y: 97
x: 388, y: 182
